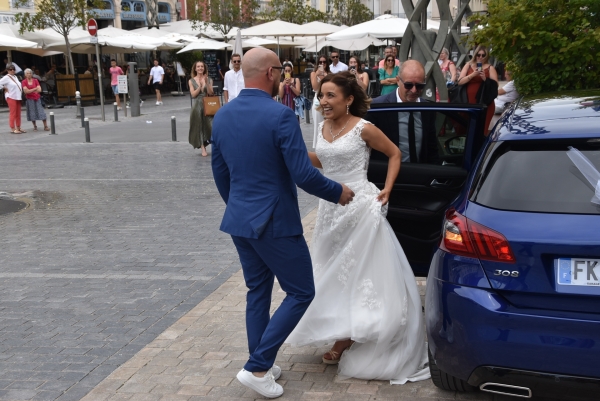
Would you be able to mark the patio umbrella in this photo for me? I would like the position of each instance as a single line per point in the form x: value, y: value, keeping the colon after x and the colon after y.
x: 204, y: 44
x: 277, y: 29
x: 349, y: 44
x: 237, y: 47
x: 381, y: 28
x: 318, y: 28
x: 255, y: 42
x: 12, y: 43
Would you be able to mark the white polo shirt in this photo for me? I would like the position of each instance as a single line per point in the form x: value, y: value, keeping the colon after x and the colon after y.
x: 233, y: 83
x: 338, y: 68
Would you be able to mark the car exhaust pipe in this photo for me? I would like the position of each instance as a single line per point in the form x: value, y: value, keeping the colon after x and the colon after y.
x: 506, y: 389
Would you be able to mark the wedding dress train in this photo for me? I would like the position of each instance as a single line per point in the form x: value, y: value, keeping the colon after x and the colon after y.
x: 365, y: 288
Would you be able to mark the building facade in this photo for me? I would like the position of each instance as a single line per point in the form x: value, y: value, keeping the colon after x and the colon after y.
x: 8, y: 10
x: 132, y: 14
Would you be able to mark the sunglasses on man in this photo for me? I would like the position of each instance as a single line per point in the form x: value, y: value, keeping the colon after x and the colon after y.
x: 409, y: 85
x: 335, y: 56
x: 236, y: 61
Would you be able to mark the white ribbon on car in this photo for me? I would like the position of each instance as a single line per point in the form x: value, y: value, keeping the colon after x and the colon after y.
x: 588, y: 170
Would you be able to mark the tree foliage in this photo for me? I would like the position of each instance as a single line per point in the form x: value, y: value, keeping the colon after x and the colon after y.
x: 548, y: 44
x: 346, y: 12
x: 222, y: 15
x: 350, y: 12
x: 295, y: 11
x: 60, y: 15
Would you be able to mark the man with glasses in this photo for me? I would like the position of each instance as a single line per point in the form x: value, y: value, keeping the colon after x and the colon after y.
x: 414, y: 132
x: 258, y: 158
x: 234, y: 79
x: 336, y: 64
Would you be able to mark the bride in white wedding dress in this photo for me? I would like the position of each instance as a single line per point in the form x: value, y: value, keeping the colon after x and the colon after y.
x: 367, y: 300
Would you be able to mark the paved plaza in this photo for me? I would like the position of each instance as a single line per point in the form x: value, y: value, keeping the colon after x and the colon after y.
x: 116, y: 283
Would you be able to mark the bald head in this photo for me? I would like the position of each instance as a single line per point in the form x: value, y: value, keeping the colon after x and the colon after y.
x: 414, y: 66
x: 257, y: 61
x: 257, y: 70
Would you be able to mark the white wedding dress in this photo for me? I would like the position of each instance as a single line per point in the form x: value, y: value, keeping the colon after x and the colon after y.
x: 365, y: 288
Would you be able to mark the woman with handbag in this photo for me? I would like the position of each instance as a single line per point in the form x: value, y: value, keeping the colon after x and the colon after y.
x: 475, y: 74
x: 200, y: 123
x: 32, y: 90
x: 13, y: 92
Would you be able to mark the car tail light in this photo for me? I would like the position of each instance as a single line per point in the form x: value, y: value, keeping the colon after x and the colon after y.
x: 465, y: 237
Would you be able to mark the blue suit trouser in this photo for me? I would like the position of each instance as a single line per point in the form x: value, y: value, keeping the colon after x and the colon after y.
x: 262, y: 260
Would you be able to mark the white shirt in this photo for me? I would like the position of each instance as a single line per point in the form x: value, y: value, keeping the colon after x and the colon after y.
x: 510, y: 95
x: 17, y: 68
x: 338, y: 68
x: 403, y: 131
x: 233, y: 83
x: 157, y: 72
x: 12, y: 84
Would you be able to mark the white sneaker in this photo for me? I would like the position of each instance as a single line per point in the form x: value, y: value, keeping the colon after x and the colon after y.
x: 119, y: 108
x: 276, y: 372
x: 158, y: 103
x: 265, y: 386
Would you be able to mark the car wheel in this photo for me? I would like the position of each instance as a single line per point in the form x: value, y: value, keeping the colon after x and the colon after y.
x: 445, y: 381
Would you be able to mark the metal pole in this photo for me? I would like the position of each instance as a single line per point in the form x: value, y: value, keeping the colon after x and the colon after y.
x: 78, y: 101
x: 124, y: 104
x: 52, y: 126
x: 87, y: 130
x: 116, y: 111
x: 82, y: 117
x: 99, y: 65
x: 173, y: 129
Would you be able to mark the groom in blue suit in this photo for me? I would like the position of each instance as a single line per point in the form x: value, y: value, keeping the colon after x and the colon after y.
x: 258, y: 158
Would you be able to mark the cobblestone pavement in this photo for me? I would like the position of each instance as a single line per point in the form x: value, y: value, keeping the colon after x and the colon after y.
x: 198, y: 357
x: 119, y: 241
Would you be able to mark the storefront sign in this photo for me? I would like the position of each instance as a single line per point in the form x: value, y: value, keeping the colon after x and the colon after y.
x: 133, y: 16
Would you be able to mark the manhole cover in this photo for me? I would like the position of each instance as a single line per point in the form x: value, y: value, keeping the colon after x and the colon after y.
x: 11, y: 206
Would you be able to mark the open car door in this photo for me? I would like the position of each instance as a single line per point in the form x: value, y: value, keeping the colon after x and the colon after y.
x: 447, y: 139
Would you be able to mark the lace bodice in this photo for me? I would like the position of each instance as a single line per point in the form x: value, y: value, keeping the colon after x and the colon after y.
x: 346, y: 155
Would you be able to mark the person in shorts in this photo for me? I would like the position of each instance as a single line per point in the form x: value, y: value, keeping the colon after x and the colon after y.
x: 115, y: 71
x: 157, y: 75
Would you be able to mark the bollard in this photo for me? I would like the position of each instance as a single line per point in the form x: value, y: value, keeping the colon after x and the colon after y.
x: 82, y: 117
x: 87, y: 130
x: 78, y: 100
x: 116, y: 111
x: 52, y: 127
x: 173, y: 129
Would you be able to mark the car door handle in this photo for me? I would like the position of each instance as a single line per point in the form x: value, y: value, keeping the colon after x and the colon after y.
x: 436, y: 183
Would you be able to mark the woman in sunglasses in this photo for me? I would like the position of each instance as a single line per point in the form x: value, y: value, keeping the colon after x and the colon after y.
x: 13, y: 92
x: 316, y: 76
x: 387, y: 75
x: 474, y: 74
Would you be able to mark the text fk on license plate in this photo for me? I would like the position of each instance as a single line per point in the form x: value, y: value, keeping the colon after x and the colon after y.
x: 573, y: 271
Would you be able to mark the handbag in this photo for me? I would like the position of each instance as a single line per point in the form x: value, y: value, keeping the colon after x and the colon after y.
x: 212, y: 104
x: 23, y: 95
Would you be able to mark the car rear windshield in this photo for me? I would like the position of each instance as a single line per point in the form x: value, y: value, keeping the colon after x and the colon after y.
x: 538, y: 176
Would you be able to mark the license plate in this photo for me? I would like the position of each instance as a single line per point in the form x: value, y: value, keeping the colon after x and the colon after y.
x: 578, y: 272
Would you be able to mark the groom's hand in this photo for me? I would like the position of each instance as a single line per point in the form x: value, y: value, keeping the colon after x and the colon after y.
x: 347, y: 195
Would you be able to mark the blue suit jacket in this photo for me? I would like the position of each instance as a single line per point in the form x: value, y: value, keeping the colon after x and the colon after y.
x: 258, y: 157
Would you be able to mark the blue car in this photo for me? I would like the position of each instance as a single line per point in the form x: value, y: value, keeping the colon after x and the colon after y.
x: 507, y: 227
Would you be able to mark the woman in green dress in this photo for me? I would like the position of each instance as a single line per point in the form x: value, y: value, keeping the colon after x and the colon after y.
x: 200, y: 125
x: 387, y: 75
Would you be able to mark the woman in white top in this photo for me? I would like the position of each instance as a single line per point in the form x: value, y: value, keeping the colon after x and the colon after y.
x: 13, y: 92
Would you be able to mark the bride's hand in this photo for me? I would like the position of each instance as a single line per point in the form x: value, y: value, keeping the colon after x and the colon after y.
x: 383, y: 197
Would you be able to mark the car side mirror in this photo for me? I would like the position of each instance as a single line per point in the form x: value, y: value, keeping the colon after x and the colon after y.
x: 455, y: 145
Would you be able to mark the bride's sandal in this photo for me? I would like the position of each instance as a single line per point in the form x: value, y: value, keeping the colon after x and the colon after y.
x: 335, y: 357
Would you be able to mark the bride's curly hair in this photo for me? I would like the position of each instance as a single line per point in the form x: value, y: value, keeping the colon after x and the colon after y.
x: 347, y: 83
